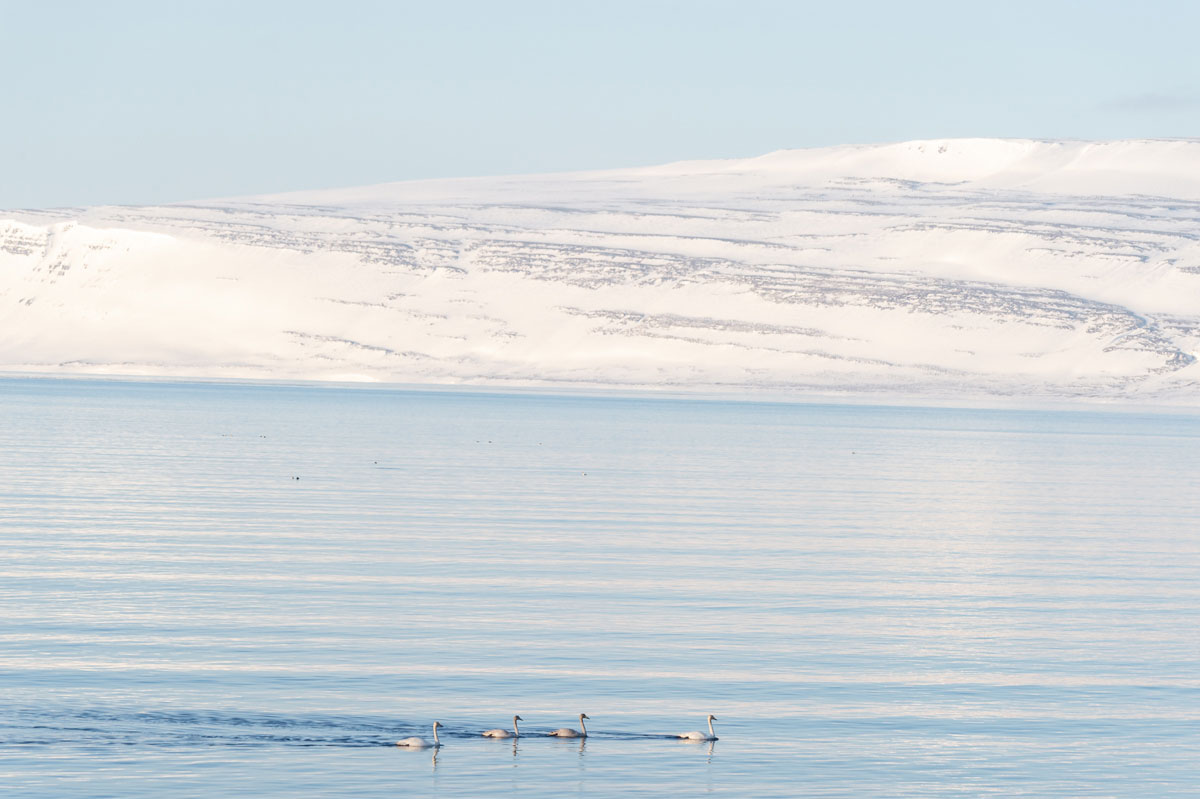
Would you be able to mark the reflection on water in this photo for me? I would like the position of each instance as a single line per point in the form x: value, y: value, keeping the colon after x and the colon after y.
x: 874, y: 601
x: 708, y: 746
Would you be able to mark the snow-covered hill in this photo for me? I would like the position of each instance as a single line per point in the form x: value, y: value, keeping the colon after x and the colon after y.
x: 948, y: 269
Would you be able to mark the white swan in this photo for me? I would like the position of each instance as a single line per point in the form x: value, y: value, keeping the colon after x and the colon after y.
x: 421, y: 743
x: 699, y: 736
x: 499, y: 733
x: 567, y: 732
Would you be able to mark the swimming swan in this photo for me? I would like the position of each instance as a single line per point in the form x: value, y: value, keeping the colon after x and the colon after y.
x: 699, y: 736
x: 421, y: 743
x: 566, y: 732
x: 499, y: 733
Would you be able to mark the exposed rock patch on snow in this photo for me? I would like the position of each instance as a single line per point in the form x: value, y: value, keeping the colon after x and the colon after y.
x: 957, y: 268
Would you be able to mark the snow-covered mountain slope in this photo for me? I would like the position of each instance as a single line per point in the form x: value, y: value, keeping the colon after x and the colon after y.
x: 957, y: 268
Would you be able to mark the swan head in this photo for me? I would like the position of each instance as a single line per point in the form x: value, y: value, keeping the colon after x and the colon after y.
x: 437, y: 724
x: 517, y: 718
x: 584, y: 716
x: 711, y: 717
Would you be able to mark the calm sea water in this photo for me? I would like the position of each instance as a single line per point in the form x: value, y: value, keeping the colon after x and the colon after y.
x: 224, y: 590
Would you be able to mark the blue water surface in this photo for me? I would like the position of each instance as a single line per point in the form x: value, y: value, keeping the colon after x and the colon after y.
x: 227, y: 589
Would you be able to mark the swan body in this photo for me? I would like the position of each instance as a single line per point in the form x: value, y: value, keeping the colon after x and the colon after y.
x: 499, y: 733
x: 695, y: 735
x: 421, y: 743
x: 567, y: 732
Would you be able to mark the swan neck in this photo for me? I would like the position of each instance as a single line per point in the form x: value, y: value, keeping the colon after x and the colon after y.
x: 516, y: 729
x: 711, y: 731
x: 435, y: 738
x: 582, y: 726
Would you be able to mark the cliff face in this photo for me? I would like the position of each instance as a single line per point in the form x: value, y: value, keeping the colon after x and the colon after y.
x: 961, y: 268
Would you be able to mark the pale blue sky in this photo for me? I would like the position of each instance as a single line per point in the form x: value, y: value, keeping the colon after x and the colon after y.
x: 141, y: 102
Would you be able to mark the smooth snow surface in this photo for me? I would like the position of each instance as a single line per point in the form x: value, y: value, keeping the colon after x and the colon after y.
x: 953, y: 269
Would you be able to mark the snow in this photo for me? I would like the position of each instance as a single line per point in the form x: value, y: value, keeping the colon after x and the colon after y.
x: 969, y: 268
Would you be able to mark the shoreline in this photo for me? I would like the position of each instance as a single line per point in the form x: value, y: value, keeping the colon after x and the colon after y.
x: 746, y: 395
